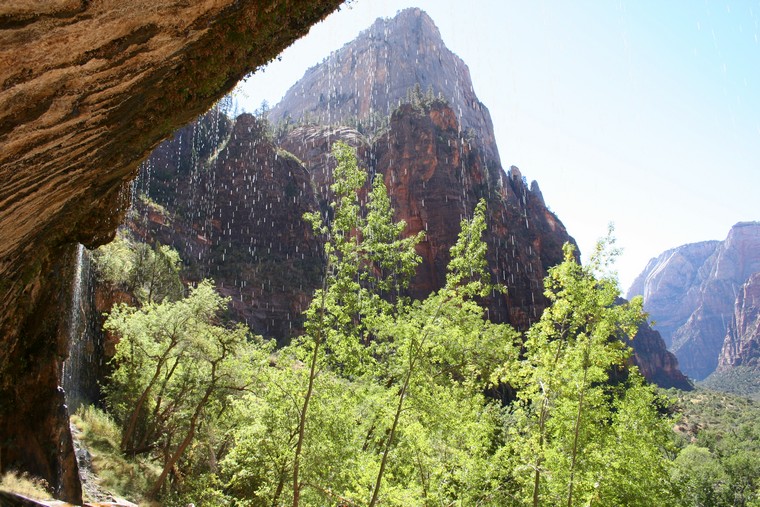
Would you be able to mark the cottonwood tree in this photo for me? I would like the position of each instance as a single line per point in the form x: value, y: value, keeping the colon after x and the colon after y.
x: 174, y: 361
x: 360, y: 253
x: 443, y: 348
x: 151, y: 274
x: 574, y: 412
x: 386, y: 392
x: 381, y: 401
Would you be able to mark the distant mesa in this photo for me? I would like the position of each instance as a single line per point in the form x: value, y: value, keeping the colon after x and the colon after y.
x: 704, y: 300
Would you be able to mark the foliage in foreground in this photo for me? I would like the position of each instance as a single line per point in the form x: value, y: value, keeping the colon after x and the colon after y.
x: 381, y: 401
x: 151, y: 274
x: 116, y: 473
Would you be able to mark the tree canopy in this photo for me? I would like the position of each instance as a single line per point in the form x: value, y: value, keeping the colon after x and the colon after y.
x: 383, y: 399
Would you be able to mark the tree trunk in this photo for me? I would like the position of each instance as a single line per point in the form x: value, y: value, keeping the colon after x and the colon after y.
x: 132, y: 424
x: 186, y: 441
x: 309, y: 390
x: 578, y: 424
x: 302, y: 425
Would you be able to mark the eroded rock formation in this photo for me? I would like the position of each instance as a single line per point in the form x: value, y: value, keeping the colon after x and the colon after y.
x: 365, y: 80
x: 693, y: 289
x: 667, y: 284
x: 87, y: 89
x: 741, y: 346
x: 437, y: 164
x: 655, y: 362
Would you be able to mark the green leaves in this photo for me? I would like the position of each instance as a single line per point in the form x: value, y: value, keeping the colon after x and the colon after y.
x: 468, y: 268
x: 151, y: 274
x: 574, y: 415
x: 173, y: 361
x: 381, y: 401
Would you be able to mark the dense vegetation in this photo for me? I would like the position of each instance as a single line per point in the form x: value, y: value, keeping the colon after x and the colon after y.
x: 719, y: 464
x: 741, y: 380
x: 383, y: 399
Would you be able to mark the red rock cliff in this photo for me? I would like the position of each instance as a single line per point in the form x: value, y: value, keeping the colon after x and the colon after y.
x: 234, y: 210
x: 365, y: 80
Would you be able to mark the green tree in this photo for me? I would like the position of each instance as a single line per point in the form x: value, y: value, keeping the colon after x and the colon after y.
x: 443, y: 348
x: 174, y: 366
x: 386, y: 393
x: 702, y: 480
x: 573, y: 411
x: 151, y: 274
x: 156, y: 274
x: 356, y: 249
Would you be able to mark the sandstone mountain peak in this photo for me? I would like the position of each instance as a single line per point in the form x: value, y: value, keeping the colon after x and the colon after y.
x: 700, y: 297
x: 741, y: 346
x: 366, y: 79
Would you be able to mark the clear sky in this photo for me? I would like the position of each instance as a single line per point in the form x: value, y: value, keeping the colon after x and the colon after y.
x: 643, y: 113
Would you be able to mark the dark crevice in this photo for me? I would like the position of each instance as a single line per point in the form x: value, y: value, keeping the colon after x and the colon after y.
x: 20, y: 20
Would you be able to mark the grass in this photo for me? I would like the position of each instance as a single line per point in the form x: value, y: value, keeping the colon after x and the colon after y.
x: 128, y: 478
x: 26, y: 485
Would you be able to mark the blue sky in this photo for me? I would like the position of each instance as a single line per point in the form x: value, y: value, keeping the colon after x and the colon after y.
x: 642, y: 113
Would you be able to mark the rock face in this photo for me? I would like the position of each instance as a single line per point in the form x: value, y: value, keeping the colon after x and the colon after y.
x: 369, y: 77
x: 697, y: 301
x: 435, y: 176
x: 87, y: 90
x: 667, y: 285
x: 655, y: 362
x: 742, y: 344
x: 235, y: 213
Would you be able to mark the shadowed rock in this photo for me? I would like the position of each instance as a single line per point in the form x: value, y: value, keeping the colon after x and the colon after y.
x: 87, y: 90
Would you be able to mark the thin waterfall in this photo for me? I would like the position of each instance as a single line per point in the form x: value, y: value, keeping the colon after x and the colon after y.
x: 77, y: 372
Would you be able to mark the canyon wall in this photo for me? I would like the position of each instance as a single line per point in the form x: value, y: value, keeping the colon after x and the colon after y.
x: 668, y: 285
x: 741, y: 347
x: 700, y: 297
x: 87, y: 90
x: 434, y: 167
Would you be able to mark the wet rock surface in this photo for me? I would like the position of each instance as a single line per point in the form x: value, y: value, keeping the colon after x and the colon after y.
x: 87, y: 90
x: 234, y: 211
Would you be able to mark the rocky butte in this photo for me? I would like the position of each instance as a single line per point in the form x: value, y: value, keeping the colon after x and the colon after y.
x: 87, y: 90
x: 702, y: 298
x: 432, y: 143
x: 741, y: 347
